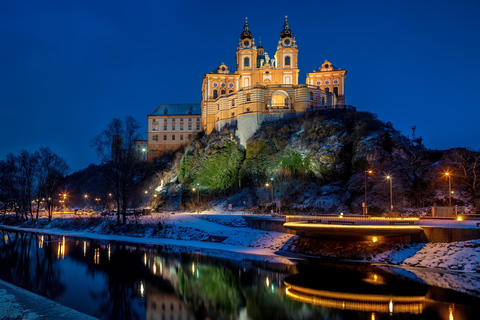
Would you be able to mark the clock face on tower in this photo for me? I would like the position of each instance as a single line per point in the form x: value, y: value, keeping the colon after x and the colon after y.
x: 286, y: 42
x: 246, y: 43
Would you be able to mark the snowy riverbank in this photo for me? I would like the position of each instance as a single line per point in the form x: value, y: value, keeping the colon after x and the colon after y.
x: 17, y: 303
x: 216, y: 234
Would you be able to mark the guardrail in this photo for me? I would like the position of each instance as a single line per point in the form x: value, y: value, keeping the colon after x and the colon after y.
x: 352, y: 220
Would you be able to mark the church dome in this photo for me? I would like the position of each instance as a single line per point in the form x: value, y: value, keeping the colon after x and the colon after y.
x: 246, y: 33
x: 286, y: 32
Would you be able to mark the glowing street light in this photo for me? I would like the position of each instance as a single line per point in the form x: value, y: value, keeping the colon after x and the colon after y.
x: 391, y: 195
x: 365, y: 204
x: 271, y: 179
x: 448, y: 174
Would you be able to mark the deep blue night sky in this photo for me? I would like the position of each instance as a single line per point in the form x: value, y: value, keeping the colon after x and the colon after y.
x: 67, y: 69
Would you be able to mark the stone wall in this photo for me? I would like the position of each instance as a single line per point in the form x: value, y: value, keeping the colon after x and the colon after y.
x: 247, y: 124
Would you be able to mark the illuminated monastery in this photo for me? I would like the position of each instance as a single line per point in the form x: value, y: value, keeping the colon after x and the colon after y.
x: 266, y: 89
x: 261, y: 89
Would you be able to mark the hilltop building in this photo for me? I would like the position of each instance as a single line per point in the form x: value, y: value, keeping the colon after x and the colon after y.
x: 170, y: 126
x: 263, y: 88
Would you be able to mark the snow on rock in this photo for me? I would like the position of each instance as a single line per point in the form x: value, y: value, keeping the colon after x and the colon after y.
x: 11, y: 309
x: 464, y: 255
x: 235, y: 222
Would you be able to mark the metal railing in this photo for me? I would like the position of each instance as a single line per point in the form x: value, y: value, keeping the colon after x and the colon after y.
x: 352, y: 220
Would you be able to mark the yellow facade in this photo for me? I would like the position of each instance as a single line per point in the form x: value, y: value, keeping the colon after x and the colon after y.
x: 172, y: 126
x: 265, y: 85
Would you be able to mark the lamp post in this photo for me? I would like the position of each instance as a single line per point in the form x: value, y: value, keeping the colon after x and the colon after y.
x: 198, y: 193
x: 266, y: 186
x: 391, y: 195
x: 271, y: 179
x: 193, y: 189
x: 64, y: 195
x: 365, y: 205
x: 449, y: 193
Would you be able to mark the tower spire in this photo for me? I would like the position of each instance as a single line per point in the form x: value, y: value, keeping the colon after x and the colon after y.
x: 286, y: 32
x: 246, y: 33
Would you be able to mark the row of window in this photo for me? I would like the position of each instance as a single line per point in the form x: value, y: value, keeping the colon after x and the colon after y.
x: 223, y: 85
x: 327, y: 82
x: 165, y: 128
x: 174, y: 120
x: 155, y: 137
x: 327, y: 90
x: 215, y: 94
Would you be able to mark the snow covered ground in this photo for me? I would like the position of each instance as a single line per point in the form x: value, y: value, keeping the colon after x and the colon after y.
x: 11, y: 309
x: 19, y: 304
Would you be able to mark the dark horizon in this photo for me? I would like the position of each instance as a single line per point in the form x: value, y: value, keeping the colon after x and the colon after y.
x: 68, y: 69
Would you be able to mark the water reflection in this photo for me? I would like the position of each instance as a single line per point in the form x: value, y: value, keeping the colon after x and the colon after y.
x: 380, y: 293
x: 113, y: 280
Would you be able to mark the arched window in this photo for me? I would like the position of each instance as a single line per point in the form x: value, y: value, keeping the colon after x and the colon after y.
x: 327, y: 90
x: 248, y: 96
x: 222, y: 92
x: 287, y: 60
x: 246, y: 62
x: 311, y: 95
x: 230, y: 91
x: 215, y: 94
x: 335, y: 90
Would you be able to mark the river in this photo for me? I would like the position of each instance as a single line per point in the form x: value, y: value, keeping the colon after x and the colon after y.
x: 115, y: 280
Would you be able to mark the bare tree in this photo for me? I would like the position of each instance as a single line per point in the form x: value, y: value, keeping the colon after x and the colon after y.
x: 468, y: 163
x: 27, y: 168
x: 52, y: 169
x: 115, y: 147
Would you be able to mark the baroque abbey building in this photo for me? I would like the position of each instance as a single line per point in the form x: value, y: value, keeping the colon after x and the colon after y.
x: 261, y: 89
x: 266, y: 89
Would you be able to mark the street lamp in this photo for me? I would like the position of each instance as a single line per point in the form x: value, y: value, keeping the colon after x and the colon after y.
x: 64, y: 195
x: 271, y: 179
x: 198, y: 193
x: 391, y: 195
x: 449, y: 193
x: 365, y: 204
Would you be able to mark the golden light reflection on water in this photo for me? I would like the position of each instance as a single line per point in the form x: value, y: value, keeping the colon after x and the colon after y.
x: 40, y: 242
x: 5, y: 238
x: 96, y: 257
x: 61, y: 249
x: 358, y: 302
x: 84, y: 248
